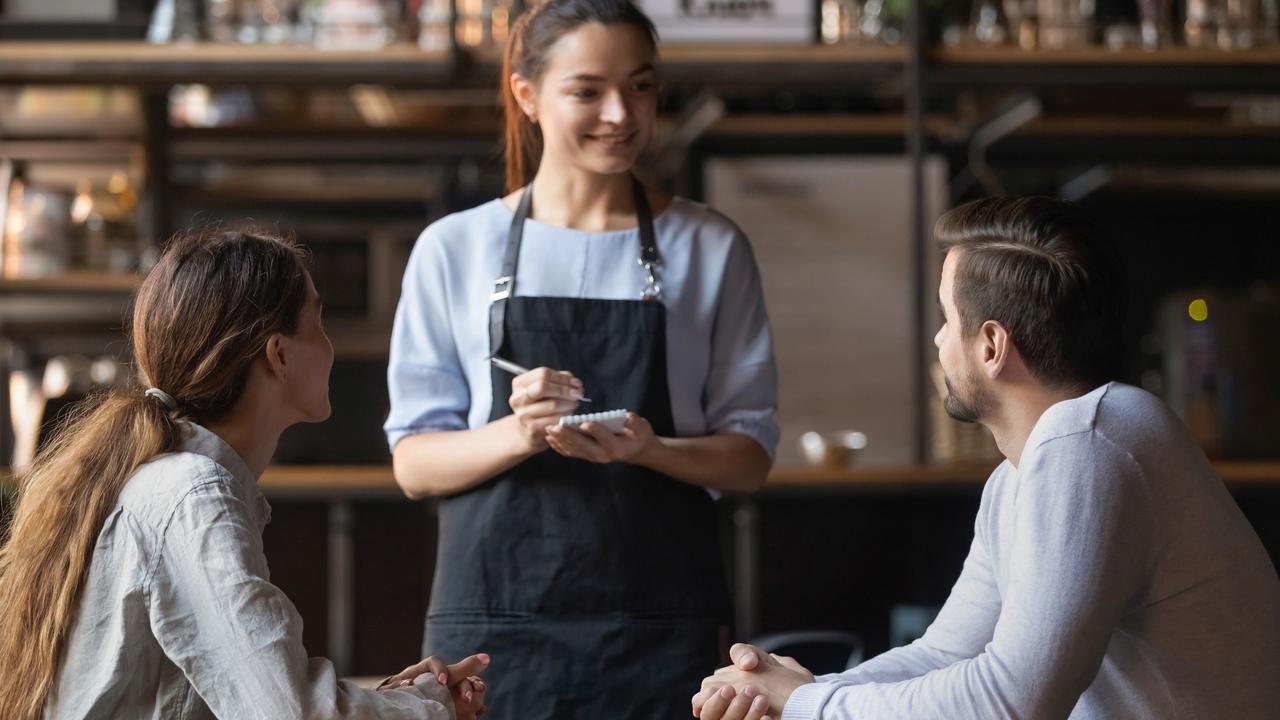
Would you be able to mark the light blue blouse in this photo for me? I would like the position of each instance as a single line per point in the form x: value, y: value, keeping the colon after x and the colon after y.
x: 720, y: 365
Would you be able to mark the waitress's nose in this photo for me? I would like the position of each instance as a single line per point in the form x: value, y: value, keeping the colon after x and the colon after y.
x: 614, y: 108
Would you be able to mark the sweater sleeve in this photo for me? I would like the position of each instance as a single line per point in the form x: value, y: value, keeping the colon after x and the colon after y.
x: 962, y: 629
x: 1078, y: 559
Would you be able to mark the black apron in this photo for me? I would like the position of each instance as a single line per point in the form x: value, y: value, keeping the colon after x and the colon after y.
x: 597, y: 589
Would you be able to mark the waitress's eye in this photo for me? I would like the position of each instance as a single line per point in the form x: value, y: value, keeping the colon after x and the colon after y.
x: 584, y: 93
x: 643, y: 86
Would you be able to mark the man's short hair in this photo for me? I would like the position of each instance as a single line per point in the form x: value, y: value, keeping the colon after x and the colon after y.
x: 1046, y: 272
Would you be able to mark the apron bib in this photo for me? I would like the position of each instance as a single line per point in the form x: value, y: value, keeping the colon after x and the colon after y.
x: 597, y: 589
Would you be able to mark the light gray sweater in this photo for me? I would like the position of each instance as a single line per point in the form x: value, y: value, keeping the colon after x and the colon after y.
x: 1111, y: 576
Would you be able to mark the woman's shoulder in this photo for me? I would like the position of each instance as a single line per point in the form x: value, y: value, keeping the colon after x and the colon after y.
x: 709, y: 222
x: 164, y: 482
x: 463, y: 224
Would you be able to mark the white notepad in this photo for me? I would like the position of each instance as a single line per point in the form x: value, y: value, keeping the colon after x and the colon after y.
x: 614, y: 420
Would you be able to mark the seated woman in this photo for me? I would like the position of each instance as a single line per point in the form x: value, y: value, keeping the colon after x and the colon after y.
x: 133, y: 583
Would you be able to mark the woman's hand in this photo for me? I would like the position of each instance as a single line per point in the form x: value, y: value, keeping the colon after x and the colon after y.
x: 468, y: 698
x: 539, y: 398
x: 595, y: 443
x: 459, y: 677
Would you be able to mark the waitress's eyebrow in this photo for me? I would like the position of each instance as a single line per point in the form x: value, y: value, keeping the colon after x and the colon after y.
x: 587, y: 77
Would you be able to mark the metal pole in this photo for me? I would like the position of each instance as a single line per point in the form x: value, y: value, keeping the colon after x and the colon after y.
x: 916, y: 146
x: 341, y: 588
x: 746, y: 564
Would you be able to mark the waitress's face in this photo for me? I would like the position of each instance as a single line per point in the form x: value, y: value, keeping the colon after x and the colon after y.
x: 597, y: 101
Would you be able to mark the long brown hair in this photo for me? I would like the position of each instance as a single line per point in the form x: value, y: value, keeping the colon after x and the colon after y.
x: 532, y: 36
x: 200, y: 318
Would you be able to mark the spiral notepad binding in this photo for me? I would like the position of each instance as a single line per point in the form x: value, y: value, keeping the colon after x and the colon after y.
x: 614, y: 420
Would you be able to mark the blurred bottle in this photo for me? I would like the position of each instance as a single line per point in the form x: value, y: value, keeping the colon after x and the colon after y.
x: 433, y: 25
x: 1065, y: 23
x: 987, y: 23
x: 220, y: 20
x: 483, y: 24
x: 1154, y: 24
x: 839, y: 21
x: 1024, y: 23
x: 1243, y: 25
x: 1204, y: 20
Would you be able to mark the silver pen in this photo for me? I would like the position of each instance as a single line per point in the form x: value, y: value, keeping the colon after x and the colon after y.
x: 514, y: 369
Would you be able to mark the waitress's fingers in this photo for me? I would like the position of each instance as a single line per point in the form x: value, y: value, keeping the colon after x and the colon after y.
x: 572, y: 443
x: 603, y: 437
x: 636, y: 424
x: 544, y: 382
x: 549, y: 410
x: 547, y: 374
x: 530, y: 394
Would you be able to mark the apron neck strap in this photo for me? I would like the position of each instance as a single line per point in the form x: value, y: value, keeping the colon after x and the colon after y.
x: 504, y: 287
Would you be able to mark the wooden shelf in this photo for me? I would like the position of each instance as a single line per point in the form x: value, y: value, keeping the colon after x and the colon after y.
x: 377, y: 480
x: 714, y: 65
x: 1173, y: 67
x: 73, y: 283
x: 140, y: 63
x: 310, y: 478
x: 1098, y: 56
x: 830, y: 124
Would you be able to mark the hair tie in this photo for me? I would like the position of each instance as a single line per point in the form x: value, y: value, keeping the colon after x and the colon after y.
x: 163, y: 397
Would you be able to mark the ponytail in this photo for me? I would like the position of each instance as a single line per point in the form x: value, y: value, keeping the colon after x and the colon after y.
x: 64, y: 500
x: 523, y: 139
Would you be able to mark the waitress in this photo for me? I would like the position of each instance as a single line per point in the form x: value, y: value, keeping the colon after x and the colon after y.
x: 585, y: 562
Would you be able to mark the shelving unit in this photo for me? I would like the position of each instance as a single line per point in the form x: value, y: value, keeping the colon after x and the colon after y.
x: 921, y: 74
x: 924, y: 79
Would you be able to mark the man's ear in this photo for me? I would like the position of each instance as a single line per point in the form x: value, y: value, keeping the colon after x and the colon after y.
x: 275, y: 355
x: 996, y: 347
x: 522, y: 89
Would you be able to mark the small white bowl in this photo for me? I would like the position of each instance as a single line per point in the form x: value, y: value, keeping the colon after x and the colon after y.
x: 832, y: 449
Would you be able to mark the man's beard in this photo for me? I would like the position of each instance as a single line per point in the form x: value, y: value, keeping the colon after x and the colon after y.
x: 967, y: 409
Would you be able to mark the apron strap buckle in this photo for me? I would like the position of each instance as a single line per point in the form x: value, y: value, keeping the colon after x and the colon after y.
x: 501, y: 289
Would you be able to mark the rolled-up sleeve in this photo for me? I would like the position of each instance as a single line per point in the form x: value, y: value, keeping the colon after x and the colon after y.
x: 236, y: 637
x: 425, y: 379
x: 741, y: 394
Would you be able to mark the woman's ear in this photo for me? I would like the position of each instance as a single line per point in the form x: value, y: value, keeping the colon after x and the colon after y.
x: 275, y: 355
x: 523, y: 92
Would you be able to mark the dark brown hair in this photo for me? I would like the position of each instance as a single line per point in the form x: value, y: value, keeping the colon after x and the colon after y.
x: 200, y: 319
x: 1046, y: 272
x: 532, y: 36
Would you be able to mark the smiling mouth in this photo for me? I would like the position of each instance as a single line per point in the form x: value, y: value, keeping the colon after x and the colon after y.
x: 615, y: 140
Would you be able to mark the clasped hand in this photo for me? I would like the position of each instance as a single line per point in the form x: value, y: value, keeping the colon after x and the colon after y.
x: 462, y: 678
x: 755, y: 687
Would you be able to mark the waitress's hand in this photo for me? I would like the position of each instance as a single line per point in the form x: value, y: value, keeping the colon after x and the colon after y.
x: 539, y: 398
x: 593, y: 441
